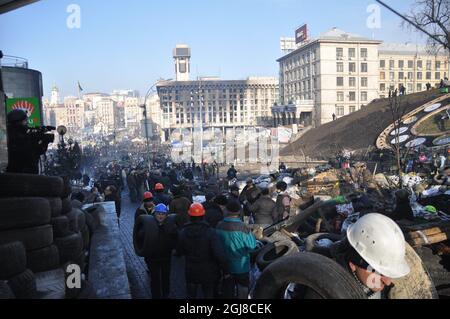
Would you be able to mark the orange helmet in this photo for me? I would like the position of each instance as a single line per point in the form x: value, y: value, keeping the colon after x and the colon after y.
x: 196, y: 210
x: 159, y: 187
x: 148, y: 196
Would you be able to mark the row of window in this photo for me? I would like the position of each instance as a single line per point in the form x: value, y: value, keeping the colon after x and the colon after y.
x: 298, y: 60
x: 351, y: 96
x: 410, y: 75
x: 351, y: 53
x: 214, y: 91
x: 352, y: 81
x: 351, y: 67
x: 410, y: 64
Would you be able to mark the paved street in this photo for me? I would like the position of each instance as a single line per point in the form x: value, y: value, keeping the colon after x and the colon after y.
x: 136, y: 267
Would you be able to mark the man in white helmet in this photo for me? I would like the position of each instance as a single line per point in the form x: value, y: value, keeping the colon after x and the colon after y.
x: 374, y: 252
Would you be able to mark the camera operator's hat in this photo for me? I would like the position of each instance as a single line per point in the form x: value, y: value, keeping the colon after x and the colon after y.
x: 16, y: 115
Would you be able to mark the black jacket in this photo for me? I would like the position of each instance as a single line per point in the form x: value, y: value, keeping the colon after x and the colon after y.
x: 180, y: 206
x: 214, y: 214
x: 231, y: 173
x: 204, y: 252
x: 264, y: 211
x: 24, y: 150
x: 166, y: 242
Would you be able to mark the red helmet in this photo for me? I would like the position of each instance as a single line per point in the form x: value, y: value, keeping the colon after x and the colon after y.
x: 196, y: 210
x: 159, y: 187
x: 148, y: 196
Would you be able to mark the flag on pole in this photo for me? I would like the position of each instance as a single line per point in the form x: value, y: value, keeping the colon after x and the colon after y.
x: 79, y: 87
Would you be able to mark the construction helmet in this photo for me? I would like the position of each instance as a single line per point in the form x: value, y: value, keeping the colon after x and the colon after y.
x: 431, y: 209
x: 161, y: 209
x: 148, y: 196
x: 196, y: 210
x: 380, y: 242
x: 159, y: 187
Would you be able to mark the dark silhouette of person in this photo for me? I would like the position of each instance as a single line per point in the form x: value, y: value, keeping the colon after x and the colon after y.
x: 24, y: 146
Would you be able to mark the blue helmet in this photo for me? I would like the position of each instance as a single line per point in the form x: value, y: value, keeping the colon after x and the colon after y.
x: 161, y: 209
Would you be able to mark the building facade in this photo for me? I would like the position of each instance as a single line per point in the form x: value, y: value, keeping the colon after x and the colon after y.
x: 74, y: 114
x: 105, y: 115
x: 335, y: 74
x: 410, y: 65
x: 214, y: 103
x: 339, y: 72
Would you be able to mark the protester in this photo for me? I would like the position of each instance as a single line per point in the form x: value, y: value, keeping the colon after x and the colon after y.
x: 238, y: 242
x: 204, y: 255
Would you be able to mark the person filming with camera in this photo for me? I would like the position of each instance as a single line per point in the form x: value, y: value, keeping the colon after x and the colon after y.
x: 25, y: 144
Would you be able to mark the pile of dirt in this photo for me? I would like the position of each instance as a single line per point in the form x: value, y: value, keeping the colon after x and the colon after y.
x: 354, y: 132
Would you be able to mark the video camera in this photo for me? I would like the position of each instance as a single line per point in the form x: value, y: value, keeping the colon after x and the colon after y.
x: 41, y: 134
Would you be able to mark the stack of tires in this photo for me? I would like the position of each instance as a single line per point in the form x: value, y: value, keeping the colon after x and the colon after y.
x: 71, y: 234
x: 28, y: 203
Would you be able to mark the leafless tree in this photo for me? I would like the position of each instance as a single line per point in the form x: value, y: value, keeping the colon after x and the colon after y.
x: 433, y: 16
x: 398, y: 108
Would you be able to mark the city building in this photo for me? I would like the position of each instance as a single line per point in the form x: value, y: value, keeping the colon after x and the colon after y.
x: 337, y: 73
x: 214, y: 103
x: 210, y: 102
x: 410, y: 65
x: 74, y: 114
x: 105, y: 114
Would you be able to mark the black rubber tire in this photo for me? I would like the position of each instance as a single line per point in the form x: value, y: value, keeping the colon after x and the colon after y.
x: 76, y: 204
x: 5, y: 291
x: 55, y: 206
x: 23, y: 285
x: 254, y: 254
x: 438, y: 269
x: 23, y: 212
x: 60, y: 226
x: 323, y: 275
x: 66, y: 206
x: 43, y: 259
x: 69, y: 247
x: 32, y: 238
x: 67, y: 188
x: 312, y: 246
x: 273, y: 251
x: 13, y: 260
x: 30, y: 185
x: 86, y: 237
x: 145, y: 235
x: 73, y: 221
x: 81, y: 218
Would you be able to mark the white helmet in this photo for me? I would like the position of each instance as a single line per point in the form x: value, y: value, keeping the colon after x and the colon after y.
x: 380, y: 242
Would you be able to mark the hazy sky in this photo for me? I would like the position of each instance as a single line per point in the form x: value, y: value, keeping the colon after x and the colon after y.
x: 128, y: 44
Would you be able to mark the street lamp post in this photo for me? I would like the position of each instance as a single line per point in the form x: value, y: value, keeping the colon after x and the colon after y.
x: 146, y: 117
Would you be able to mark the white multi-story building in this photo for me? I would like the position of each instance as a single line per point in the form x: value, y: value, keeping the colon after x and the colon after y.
x: 74, y: 111
x: 217, y: 103
x: 337, y: 73
x: 210, y: 102
x: 410, y: 65
x: 105, y: 114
